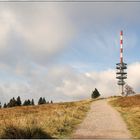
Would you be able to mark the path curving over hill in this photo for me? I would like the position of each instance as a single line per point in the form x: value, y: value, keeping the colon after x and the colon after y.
x: 102, y: 121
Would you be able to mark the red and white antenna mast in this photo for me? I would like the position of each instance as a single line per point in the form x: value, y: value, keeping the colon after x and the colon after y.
x: 121, y: 74
x: 121, y: 47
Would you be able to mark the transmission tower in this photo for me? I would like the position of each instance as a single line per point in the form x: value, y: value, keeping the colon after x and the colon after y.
x: 121, y: 67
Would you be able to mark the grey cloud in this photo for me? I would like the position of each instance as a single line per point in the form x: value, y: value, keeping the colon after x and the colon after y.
x: 39, y: 32
x: 32, y: 35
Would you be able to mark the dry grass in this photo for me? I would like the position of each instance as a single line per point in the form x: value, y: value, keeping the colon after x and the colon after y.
x: 129, y: 107
x: 51, y: 120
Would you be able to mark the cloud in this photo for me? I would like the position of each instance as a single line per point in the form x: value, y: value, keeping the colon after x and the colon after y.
x: 64, y: 83
x: 105, y: 82
x: 6, y: 21
x: 33, y: 37
x: 50, y: 36
x: 134, y: 76
x: 33, y: 34
x: 39, y: 33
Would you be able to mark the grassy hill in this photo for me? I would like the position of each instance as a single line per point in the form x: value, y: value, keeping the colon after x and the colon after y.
x: 44, y: 121
x: 129, y: 107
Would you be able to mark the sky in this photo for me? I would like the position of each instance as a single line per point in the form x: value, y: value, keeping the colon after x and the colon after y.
x: 63, y: 51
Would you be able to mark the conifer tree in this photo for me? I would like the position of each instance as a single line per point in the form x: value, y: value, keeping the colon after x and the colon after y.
x: 95, y: 94
x: 40, y: 101
x: 28, y: 102
x: 18, y: 101
x: 43, y: 101
x: 25, y: 103
x: 32, y: 102
x: 5, y: 105
x: 12, y: 103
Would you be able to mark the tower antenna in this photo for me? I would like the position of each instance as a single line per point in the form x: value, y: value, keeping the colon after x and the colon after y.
x: 121, y: 67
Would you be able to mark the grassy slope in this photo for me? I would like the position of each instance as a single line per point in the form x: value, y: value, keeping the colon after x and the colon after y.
x: 129, y: 107
x: 57, y: 120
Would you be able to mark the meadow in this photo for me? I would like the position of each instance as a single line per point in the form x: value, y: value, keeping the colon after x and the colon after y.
x: 56, y: 120
x: 129, y: 107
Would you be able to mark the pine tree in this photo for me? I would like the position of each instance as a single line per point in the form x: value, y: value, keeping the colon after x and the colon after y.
x: 18, y: 101
x: 40, y: 101
x: 43, y: 101
x: 5, y: 105
x: 28, y: 102
x: 51, y: 102
x: 25, y: 103
x: 0, y: 105
x: 32, y: 102
x: 95, y: 94
x: 12, y: 103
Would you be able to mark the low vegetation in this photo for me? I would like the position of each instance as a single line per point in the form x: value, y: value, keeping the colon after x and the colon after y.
x: 129, y: 107
x: 56, y: 120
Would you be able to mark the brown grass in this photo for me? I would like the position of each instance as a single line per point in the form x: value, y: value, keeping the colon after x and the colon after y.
x: 52, y: 120
x: 129, y: 107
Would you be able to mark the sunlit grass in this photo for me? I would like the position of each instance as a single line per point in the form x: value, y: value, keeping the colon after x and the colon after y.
x: 129, y: 107
x: 52, y: 120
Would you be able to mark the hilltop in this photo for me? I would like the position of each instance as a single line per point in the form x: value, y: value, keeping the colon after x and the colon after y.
x: 61, y: 120
x: 42, y: 121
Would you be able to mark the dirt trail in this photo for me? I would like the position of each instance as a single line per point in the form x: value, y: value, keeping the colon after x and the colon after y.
x: 102, y: 121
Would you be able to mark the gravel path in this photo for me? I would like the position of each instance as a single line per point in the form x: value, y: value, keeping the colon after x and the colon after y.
x: 102, y: 121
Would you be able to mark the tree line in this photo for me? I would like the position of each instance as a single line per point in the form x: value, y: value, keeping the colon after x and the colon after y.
x: 17, y: 102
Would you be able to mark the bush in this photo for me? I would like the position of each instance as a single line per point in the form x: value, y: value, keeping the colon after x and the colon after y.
x: 13, y: 132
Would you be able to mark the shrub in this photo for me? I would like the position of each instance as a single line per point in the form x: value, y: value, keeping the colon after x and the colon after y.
x: 13, y: 132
